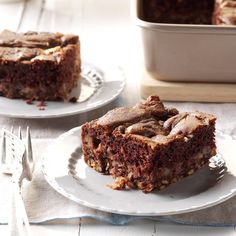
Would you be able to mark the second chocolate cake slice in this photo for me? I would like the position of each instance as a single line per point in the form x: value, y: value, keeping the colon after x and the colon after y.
x: 148, y: 146
x: 39, y: 66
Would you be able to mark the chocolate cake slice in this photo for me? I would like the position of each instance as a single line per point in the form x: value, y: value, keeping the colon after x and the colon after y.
x: 38, y: 66
x: 148, y: 146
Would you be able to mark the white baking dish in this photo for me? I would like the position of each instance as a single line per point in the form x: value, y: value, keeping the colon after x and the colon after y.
x: 199, y: 53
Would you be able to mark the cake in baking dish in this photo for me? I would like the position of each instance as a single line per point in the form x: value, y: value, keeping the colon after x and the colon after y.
x: 205, y: 12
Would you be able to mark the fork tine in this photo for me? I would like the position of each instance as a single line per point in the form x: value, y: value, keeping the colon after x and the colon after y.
x: 3, y: 151
x: 19, y: 133
x: 29, y: 145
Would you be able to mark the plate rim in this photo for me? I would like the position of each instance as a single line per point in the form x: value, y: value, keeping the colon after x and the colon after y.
x: 122, y: 81
x: 54, y: 184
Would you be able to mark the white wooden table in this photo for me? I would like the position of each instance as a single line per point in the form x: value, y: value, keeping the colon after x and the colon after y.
x: 106, y: 34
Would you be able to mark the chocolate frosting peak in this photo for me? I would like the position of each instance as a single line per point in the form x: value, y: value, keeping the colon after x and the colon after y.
x: 152, y: 107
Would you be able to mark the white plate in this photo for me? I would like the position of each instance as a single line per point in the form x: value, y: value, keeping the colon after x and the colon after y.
x: 101, y: 85
x: 78, y: 182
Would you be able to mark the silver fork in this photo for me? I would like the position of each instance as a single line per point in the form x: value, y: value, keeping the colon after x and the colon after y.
x: 17, y: 159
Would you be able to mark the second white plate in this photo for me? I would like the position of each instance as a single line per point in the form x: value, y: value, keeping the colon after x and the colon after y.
x: 78, y: 182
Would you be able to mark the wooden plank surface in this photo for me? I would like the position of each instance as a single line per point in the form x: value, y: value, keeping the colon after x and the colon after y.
x: 11, y: 15
x: 193, y: 92
x: 32, y: 15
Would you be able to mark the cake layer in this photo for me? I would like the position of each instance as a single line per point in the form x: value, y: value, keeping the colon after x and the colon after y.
x: 148, y: 146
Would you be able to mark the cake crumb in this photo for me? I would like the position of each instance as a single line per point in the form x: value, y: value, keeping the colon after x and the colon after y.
x: 73, y: 100
x: 118, y: 184
x: 41, y: 105
x: 29, y: 101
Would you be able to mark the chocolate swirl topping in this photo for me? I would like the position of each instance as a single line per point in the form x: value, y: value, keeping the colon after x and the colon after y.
x: 152, y: 122
x: 151, y: 108
x: 186, y: 122
x: 43, y: 40
x: 33, y: 46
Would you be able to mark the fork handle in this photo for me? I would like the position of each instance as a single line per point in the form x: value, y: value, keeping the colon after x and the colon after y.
x: 24, y: 215
x: 15, y: 222
x: 17, y: 214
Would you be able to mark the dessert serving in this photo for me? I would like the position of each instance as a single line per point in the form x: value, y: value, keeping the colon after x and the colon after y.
x: 190, y: 11
x: 148, y: 146
x: 38, y: 66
